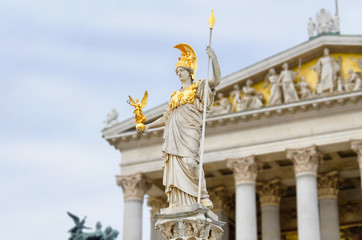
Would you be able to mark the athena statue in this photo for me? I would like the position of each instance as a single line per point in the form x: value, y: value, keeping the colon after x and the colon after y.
x: 183, y: 122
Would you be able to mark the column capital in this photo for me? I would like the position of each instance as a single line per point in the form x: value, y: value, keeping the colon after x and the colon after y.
x: 134, y: 186
x: 270, y: 192
x: 305, y: 160
x: 328, y: 185
x: 156, y: 203
x: 221, y: 199
x: 245, y: 169
x: 356, y: 146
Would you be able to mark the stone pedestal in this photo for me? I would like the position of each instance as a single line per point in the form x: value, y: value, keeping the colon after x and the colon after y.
x: 193, y: 222
x: 134, y: 188
x: 328, y: 205
x: 245, y: 172
x: 356, y: 146
x: 306, y: 162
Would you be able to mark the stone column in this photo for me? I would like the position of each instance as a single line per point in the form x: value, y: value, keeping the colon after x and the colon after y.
x: 306, y: 162
x: 269, y: 196
x: 245, y: 172
x: 156, y: 203
x: 328, y: 205
x: 223, y: 205
x: 356, y: 146
x: 134, y: 188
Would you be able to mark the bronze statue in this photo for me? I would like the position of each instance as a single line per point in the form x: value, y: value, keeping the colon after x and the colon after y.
x: 78, y: 234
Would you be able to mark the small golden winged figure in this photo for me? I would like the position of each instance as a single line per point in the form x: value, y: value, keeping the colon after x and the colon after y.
x: 139, y: 117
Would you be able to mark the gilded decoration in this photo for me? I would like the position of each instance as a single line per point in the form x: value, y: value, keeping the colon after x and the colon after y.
x: 186, y: 96
x: 328, y: 185
x: 140, y: 118
x: 188, y: 57
x: 305, y: 160
x: 134, y: 186
x: 245, y: 169
x: 270, y: 192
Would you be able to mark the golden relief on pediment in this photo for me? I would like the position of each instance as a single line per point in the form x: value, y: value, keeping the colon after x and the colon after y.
x: 330, y: 74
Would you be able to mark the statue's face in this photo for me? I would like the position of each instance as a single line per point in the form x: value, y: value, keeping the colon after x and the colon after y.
x: 183, y: 74
x: 326, y: 51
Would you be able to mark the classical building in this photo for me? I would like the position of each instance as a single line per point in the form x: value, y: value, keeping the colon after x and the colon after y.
x: 283, y: 159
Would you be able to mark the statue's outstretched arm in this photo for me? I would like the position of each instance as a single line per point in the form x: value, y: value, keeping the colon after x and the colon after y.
x: 160, y: 122
x: 215, y: 68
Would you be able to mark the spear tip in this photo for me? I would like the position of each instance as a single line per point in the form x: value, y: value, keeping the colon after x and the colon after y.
x: 212, y: 19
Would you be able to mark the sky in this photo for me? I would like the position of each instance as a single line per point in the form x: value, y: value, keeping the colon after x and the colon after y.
x: 64, y: 64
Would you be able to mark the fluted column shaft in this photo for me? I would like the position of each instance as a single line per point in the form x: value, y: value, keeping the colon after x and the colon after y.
x: 245, y: 171
x: 356, y: 146
x: 305, y: 166
x: 328, y: 205
x: 270, y: 222
x: 269, y: 196
x: 134, y: 187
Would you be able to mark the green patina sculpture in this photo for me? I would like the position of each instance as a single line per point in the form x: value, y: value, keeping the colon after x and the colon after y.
x: 78, y: 234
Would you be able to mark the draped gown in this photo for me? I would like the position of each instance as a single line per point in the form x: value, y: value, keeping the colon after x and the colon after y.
x: 181, y: 146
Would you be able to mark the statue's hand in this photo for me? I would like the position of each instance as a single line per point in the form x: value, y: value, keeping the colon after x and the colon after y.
x: 210, y: 52
x: 139, y: 130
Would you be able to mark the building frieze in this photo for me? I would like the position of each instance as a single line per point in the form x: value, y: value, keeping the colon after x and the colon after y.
x: 314, y: 107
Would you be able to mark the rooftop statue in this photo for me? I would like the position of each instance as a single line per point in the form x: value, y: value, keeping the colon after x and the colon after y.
x: 353, y: 81
x: 183, y: 122
x: 327, y: 69
x: 336, y: 23
x: 275, y: 92
x: 324, y: 21
x: 286, y: 78
x: 311, y: 27
x: 304, y: 89
x: 111, y: 118
x: 235, y: 96
x: 78, y: 234
x: 224, y: 105
x: 251, y: 99
x: 324, y: 24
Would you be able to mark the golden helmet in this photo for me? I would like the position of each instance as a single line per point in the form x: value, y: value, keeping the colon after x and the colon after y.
x: 188, y: 57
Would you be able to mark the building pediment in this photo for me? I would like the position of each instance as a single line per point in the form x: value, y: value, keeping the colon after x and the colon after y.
x: 302, y: 57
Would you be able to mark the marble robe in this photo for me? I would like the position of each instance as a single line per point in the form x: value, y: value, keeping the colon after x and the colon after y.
x: 181, y: 149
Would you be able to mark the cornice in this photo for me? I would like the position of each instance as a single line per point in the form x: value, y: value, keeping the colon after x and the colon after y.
x: 257, y: 117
